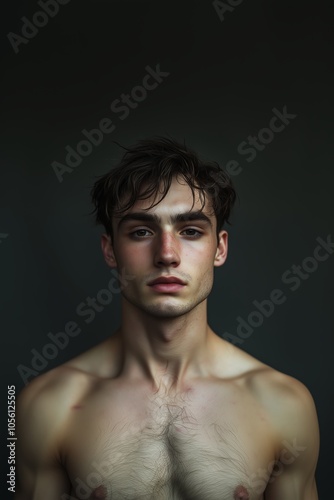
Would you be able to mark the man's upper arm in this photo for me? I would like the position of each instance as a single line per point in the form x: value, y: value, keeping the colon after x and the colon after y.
x: 40, y: 474
x: 293, y: 475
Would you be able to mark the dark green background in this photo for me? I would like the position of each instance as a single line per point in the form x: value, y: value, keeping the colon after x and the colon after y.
x: 225, y: 79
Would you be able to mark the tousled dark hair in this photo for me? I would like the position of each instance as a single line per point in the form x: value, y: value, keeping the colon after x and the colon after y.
x: 148, y: 168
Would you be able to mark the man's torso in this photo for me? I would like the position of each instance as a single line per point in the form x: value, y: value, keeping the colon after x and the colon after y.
x: 214, y: 440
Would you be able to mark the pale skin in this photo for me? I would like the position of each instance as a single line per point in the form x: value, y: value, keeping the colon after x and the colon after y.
x: 165, y: 408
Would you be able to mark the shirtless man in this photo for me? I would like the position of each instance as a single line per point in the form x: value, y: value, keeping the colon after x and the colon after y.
x: 165, y: 408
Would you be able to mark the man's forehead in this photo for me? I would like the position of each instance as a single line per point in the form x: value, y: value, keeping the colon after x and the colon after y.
x: 171, y: 205
x: 179, y: 203
x: 179, y: 197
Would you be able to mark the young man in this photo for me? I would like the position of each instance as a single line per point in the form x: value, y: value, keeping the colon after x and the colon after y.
x: 165, y: 408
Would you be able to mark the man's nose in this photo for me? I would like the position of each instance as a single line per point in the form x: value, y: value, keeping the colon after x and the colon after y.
x: 167, y: 250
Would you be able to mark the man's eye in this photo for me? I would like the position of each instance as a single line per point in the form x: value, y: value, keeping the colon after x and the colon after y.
x: 139, y: 233
x: 192, y: 232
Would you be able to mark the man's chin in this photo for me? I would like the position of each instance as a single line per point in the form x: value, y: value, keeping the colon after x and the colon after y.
x: 166, y: 311
x: 164, y: 306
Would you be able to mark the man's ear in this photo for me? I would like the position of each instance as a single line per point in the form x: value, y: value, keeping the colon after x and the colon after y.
x: 222, y: 248
x: 108, y: 251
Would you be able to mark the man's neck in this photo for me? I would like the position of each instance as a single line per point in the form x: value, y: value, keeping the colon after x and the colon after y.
x: 166, y: 352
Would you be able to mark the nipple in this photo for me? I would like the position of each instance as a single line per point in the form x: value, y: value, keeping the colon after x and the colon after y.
x: 100, y: 493
x: 240, y: 493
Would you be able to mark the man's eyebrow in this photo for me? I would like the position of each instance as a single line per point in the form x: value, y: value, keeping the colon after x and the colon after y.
x: 197, y: 215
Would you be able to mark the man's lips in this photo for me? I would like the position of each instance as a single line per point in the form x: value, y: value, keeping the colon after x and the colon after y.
x: 167, y: 284
x: 166, y: 280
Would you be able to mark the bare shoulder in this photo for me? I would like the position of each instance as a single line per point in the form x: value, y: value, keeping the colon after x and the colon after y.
x: 270, y: 385
x: 291, y: 410
x: 62, y: 382
x: 100, y: 361
x: 43, y: 409
x: 283, y: 395
x: 287, y: 401
x: 44, y: 401
x: 42, y: 415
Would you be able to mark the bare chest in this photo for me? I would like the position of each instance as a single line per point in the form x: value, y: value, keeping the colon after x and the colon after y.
x: 195, y: 446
